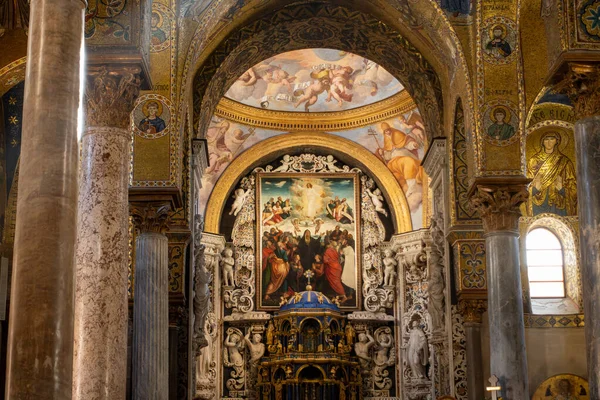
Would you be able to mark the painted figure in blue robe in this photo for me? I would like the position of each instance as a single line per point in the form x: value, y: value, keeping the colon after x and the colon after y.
x: 456, y: 7
x: 158, y: 35
x: 498, y: 47
x: 152, y: 123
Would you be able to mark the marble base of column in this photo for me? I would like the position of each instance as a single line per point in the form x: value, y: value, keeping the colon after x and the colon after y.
x: 40, y: 342
x: 150, y: 360
x: 102, y: 266
x: 508, y: 359
x: 587, y: 142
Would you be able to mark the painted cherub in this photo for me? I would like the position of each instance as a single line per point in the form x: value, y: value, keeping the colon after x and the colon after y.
x: 311, y: 94
x: 227, y: 263
x: 377, y: 200
x: 389, y: 272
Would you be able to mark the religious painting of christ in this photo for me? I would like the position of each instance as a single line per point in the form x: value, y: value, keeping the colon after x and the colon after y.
x: 308, y: 222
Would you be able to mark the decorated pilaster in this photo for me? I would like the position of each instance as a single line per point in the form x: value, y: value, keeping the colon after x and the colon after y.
x: 101, y: 304
x: 150, y: 307
x: 582, y: 84
x: 498, y: 201
x: 207, y: 308
x: 471, y: 310
x: 40, y: 338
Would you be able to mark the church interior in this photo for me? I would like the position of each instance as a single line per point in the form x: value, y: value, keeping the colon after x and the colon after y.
x: 304, y: 200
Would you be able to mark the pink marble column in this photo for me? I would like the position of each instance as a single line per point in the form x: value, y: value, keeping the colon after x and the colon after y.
x: 101, y: 304
x: 40, y: 338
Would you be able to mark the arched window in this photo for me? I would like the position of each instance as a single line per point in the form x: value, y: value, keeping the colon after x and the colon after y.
x: 545, y: 264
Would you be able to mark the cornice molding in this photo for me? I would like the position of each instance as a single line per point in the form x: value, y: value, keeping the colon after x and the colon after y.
x: 323, y: 121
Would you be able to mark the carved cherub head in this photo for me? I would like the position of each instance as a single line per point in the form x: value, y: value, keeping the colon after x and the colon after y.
x: 228, y: 252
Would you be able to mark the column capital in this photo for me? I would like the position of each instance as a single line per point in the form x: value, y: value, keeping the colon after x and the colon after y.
x: 110, y: 93
x: 497, y: 200
x: 150, y: 217
x: 472, y: 309
x: 581, y: 83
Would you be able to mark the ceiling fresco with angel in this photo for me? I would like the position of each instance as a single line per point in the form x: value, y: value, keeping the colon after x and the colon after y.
x: 314, y: 80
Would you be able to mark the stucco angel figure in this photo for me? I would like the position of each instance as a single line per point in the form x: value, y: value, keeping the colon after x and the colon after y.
x: 227, y: 263
x: 383, y: 355
x: 418, y: 351
x: 377, y: 200
x: 362, y: 347
x: 240, y: 195
x: 330, y: 162
x: 286, y: 162
x: 389, y: 271
x: 231, y: 354
x: 256, y: 349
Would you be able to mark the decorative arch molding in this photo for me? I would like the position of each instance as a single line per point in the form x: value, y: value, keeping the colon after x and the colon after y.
x: 344, y: 149
x: 12, y: 74
x: 565, y: 229
x: 318, y: 25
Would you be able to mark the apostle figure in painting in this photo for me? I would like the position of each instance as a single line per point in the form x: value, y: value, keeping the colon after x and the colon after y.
x: 153, y: 123
x: 554, y: 188
x: 400, y: 152
x: 500, y: 130
x: 565, y: 391
x: 418, y: 351
x: 498, y: 47
x: 308, y: 248
x: 275, y: 267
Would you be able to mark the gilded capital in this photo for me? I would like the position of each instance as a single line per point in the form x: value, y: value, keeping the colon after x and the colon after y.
x: 110, y: 93
x: 472, y: 309
x: 150, y: 217
x: 581, y: 84
x: 498, y: 202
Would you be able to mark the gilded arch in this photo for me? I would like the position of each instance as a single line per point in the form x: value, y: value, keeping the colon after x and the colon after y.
x: 277, y: 145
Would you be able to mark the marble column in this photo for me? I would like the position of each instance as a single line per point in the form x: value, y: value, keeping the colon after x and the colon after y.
x: 150, y: 359
x: 498, y: 201
x: 471, y: 311
x: 587, y: 142
x: 40, y: 353
x: 101, y: 304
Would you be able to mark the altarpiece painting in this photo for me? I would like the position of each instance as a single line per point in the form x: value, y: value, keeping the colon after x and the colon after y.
x: 308, y: 222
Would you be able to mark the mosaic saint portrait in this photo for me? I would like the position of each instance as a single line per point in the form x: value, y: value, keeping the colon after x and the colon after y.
x: 498, y: 40
x: 554, y: 186
x: 160, y: 27
x: 563, y: 387
x: 152, y: 122
x: 308, y: 222
x: 499, y: 123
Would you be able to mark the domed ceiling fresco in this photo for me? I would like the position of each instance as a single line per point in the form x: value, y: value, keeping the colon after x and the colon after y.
x: 314, y: 80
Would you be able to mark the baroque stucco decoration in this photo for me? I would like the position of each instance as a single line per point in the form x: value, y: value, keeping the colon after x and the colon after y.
x: 318, y: 25
x: 345, y: 150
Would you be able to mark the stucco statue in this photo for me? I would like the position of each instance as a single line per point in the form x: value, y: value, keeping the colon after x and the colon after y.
x: 227, y: 263
x: 418, y: 351
x: 240, y: 195
x: 256, y: 349
x: 377, y: 200
x: 285, y: 164
x: 382, y: 354
x: 389, y: 271
x: 330, y: 162
x: 362, y: 347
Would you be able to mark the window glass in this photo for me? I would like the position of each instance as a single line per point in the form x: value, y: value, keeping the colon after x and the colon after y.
x: 545, y: 264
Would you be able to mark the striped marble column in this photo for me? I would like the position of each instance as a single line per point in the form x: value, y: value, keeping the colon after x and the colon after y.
x: 101, y: 303
x: 40, y: 338
x: 150, y: 356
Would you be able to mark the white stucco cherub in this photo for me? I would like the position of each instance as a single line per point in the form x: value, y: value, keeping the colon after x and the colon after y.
x: 227, y: 263
x: 377, y: 200
x: 389, y: 271
x: 240, y: 195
